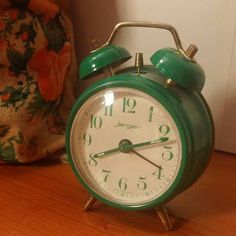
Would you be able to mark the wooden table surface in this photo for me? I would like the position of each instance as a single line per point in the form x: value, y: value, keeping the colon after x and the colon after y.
x: 45, y: 198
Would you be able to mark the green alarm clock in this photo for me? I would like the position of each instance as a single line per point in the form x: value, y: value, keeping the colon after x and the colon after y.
x: 141, y: 136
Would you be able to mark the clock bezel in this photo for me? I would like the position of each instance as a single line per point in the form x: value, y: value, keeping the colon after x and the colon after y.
x: 163, y: 96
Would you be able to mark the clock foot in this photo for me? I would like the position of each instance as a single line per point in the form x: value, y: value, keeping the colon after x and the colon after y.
x: 90, y: 203
x: 164, y: 217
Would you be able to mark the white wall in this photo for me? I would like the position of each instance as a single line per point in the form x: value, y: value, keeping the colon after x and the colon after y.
x: 209, y: 24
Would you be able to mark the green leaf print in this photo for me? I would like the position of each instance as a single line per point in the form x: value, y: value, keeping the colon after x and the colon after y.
x: 17, y: 60
x: 55, y: 34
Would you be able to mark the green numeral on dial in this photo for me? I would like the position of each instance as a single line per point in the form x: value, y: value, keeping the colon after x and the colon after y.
x: 92, y: 161
x: 128, y: 105
x: 87, y: 139
x: 158, y: 173
x: 95, y: 122
x: 142, y: 185
x: 164, y: 129
x: 108, y: 110
x: 150, y: 113
x: 107, y: 173
x: 167, y: 155
x: 123, y: 184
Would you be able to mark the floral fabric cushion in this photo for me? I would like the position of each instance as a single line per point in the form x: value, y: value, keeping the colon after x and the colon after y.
x: 36, y: 77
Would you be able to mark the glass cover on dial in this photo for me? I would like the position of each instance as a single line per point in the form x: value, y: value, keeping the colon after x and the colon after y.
x: 125, y: 146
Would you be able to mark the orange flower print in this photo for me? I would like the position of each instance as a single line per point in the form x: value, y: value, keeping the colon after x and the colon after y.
x: 51, y: 69
x: 28, y: 151
x: 2, y: 25
x: 3, y: 50
x: 3, y: 58
x: 13, y: 13
x: 2, y: 43
x: 47, y: 8
x: 5, y: 97
x: 4, y: 4
x: 24, y: 36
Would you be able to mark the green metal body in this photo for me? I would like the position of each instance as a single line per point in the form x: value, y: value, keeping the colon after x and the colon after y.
x: 168, y: 61
x: 98, y: 60
x: 171, y: 63
x: 189, y: 111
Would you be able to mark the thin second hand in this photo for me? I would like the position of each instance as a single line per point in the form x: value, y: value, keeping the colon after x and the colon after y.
x: 144, y: 158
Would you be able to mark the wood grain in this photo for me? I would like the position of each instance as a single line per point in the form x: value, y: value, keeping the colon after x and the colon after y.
x: 45, y: 198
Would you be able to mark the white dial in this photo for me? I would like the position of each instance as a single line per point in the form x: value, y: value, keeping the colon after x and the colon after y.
x: 125, y: 146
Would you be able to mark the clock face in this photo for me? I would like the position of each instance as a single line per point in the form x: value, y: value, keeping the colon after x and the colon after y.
x: 125, y: 147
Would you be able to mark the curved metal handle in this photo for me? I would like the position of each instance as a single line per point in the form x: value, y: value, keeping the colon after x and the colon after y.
x: 189, y: 53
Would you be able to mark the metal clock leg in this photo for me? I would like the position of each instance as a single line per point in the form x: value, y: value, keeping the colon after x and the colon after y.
x: 90, y: 203
x: 162, y: 213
